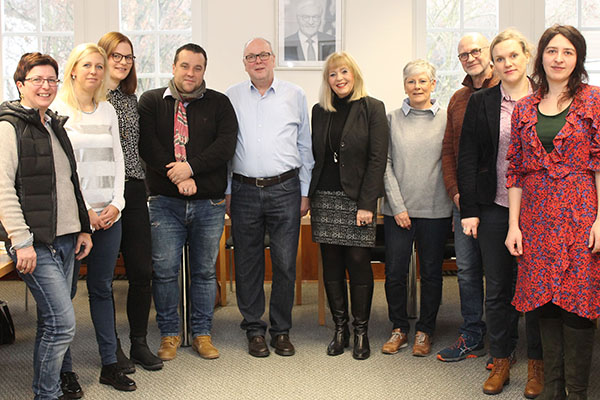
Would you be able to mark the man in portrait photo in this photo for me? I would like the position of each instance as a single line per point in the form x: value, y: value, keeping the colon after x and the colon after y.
x: 309, y: 43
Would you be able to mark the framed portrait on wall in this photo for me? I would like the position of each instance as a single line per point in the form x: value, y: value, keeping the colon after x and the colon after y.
x: 308, y: 31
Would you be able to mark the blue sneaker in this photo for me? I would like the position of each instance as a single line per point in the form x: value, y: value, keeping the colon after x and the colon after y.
x: 464, y: 347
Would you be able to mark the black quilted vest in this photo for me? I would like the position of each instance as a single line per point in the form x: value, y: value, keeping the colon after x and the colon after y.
x: 35, y: 181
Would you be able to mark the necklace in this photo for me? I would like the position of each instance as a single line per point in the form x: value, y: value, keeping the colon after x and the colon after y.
x: 94, y: 110
x: 335, y: 154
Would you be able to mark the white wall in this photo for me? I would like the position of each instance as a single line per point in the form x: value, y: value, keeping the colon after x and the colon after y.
x: 376, y: 32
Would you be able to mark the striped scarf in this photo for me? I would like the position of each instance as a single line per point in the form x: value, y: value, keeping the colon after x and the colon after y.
x: 180, y: 129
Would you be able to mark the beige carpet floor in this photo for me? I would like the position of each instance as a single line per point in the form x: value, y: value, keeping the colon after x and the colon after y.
x: 310, y: 374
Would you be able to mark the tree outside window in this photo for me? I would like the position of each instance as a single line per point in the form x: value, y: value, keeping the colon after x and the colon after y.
x: 156, y: 29
x: 46, y: 26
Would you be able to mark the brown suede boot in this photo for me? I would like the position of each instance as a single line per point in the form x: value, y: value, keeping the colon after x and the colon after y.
x: 535, y: 379
x: 499, y: 376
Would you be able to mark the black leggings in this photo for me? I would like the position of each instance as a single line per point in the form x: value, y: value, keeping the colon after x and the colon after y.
x: 137, y: 255
x: 572, y: 320
x: 357, y: 260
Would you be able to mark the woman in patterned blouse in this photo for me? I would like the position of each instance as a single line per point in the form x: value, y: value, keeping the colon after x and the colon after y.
x: 135, y: 242
x: 554, y: 180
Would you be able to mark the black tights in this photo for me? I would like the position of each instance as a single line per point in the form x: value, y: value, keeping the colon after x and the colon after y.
x: 357, y: 260
x: 572, y: 320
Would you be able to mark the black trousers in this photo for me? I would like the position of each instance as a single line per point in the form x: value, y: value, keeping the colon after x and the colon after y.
x: 137, y: 254
x: 499, y: 267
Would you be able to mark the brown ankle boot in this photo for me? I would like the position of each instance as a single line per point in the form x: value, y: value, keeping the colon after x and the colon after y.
x: 535, y: 379
x: 499, y: 376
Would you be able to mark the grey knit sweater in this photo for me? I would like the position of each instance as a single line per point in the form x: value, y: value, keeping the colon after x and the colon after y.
x: 413, y: 176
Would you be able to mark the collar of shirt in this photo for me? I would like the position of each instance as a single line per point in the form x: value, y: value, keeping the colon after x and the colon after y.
x: 506, y: 96
x: 303, y: 38
x: 168, y: 93
x: 274, y: 86
x: 406, y: 107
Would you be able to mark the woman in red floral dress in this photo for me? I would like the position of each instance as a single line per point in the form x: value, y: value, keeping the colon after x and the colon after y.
x: 553, y: 180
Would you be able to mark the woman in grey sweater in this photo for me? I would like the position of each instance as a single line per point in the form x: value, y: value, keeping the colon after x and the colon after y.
x: 416, y: 206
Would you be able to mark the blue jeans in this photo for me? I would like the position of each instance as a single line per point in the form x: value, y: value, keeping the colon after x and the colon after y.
x: 50, y: 285
x: 174, y: 222
x: 100, y: 271
x: 430, y: 235
x: 276, y: 210
x: 470, y: 281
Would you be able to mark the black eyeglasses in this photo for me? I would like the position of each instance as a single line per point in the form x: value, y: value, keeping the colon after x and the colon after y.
x: 38, y: 81
x: 117, y: 57
x: 264, y: 56
x: 475, y: 53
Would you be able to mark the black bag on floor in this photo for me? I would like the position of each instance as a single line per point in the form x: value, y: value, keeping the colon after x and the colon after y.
x: 7, y: 329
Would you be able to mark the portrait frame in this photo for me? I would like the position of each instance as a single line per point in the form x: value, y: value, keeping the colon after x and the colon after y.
x: 326, y: 32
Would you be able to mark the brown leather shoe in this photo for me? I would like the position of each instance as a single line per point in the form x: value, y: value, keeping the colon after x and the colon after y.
x: 397, y: 341
x: 499, y: 376
x: 168, y: 347
x: 535, y: 378
x: 203, y: 345
x: 422, y: 346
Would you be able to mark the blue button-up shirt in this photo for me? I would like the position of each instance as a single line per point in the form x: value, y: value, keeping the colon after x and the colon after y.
x: 274, y: 132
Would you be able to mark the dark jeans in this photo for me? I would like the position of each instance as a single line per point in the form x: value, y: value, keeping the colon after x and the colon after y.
x: 430, y: 236
x: 470, y: 281
x: 100, y: 271
x: 254, y: 210
x: 50, y: 286
x: 137, y: 254
x: 501, y: 316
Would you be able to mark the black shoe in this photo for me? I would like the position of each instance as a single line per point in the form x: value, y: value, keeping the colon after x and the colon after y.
x: 282, y: 345
x: 69, y: 385
x: 257, y: 346
x: 141, y: 354
x: 123, y: 362
x: 112, y: 375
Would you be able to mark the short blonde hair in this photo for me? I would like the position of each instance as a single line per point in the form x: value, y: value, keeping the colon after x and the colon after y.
x: 337, y: 60
x: 510, y: 34
x: 67, y: 91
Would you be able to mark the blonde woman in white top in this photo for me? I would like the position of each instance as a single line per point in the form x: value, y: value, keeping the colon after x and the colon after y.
x: 93, y: 128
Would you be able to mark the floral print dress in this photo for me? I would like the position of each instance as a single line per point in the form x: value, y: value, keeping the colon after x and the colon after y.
x: 558, y: 206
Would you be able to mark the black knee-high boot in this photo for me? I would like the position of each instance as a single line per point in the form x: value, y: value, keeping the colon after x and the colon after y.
x: 578, y: 345
x: 551, y: 332
x: 337, y: 296
x: 361, y: 296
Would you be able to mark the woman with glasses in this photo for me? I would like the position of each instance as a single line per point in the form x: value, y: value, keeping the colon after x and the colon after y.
x: 554, y: 227
x: 349, y: 142
x: 93, y: 128
x: 135, y: 222
x: 484, y: 202
x: 416, y: 207
x: 43, y: 218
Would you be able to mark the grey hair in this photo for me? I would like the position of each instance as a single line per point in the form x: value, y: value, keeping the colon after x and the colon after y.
x: 256, y: 38
x: 419, y: 66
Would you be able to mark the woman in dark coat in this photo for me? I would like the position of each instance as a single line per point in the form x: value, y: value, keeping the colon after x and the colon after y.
x: 350, y: 139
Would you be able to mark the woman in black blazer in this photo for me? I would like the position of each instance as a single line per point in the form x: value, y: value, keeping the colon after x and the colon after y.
x: 482, y: 167
x: 350, y: 139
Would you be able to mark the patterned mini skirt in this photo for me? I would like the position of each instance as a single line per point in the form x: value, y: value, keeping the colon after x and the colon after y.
x: 333, y: 220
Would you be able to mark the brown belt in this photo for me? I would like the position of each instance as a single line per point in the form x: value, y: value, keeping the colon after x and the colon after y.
x: 264, y: 182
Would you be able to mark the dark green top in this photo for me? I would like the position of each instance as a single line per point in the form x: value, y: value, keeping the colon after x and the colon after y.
x: 548, y: 127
